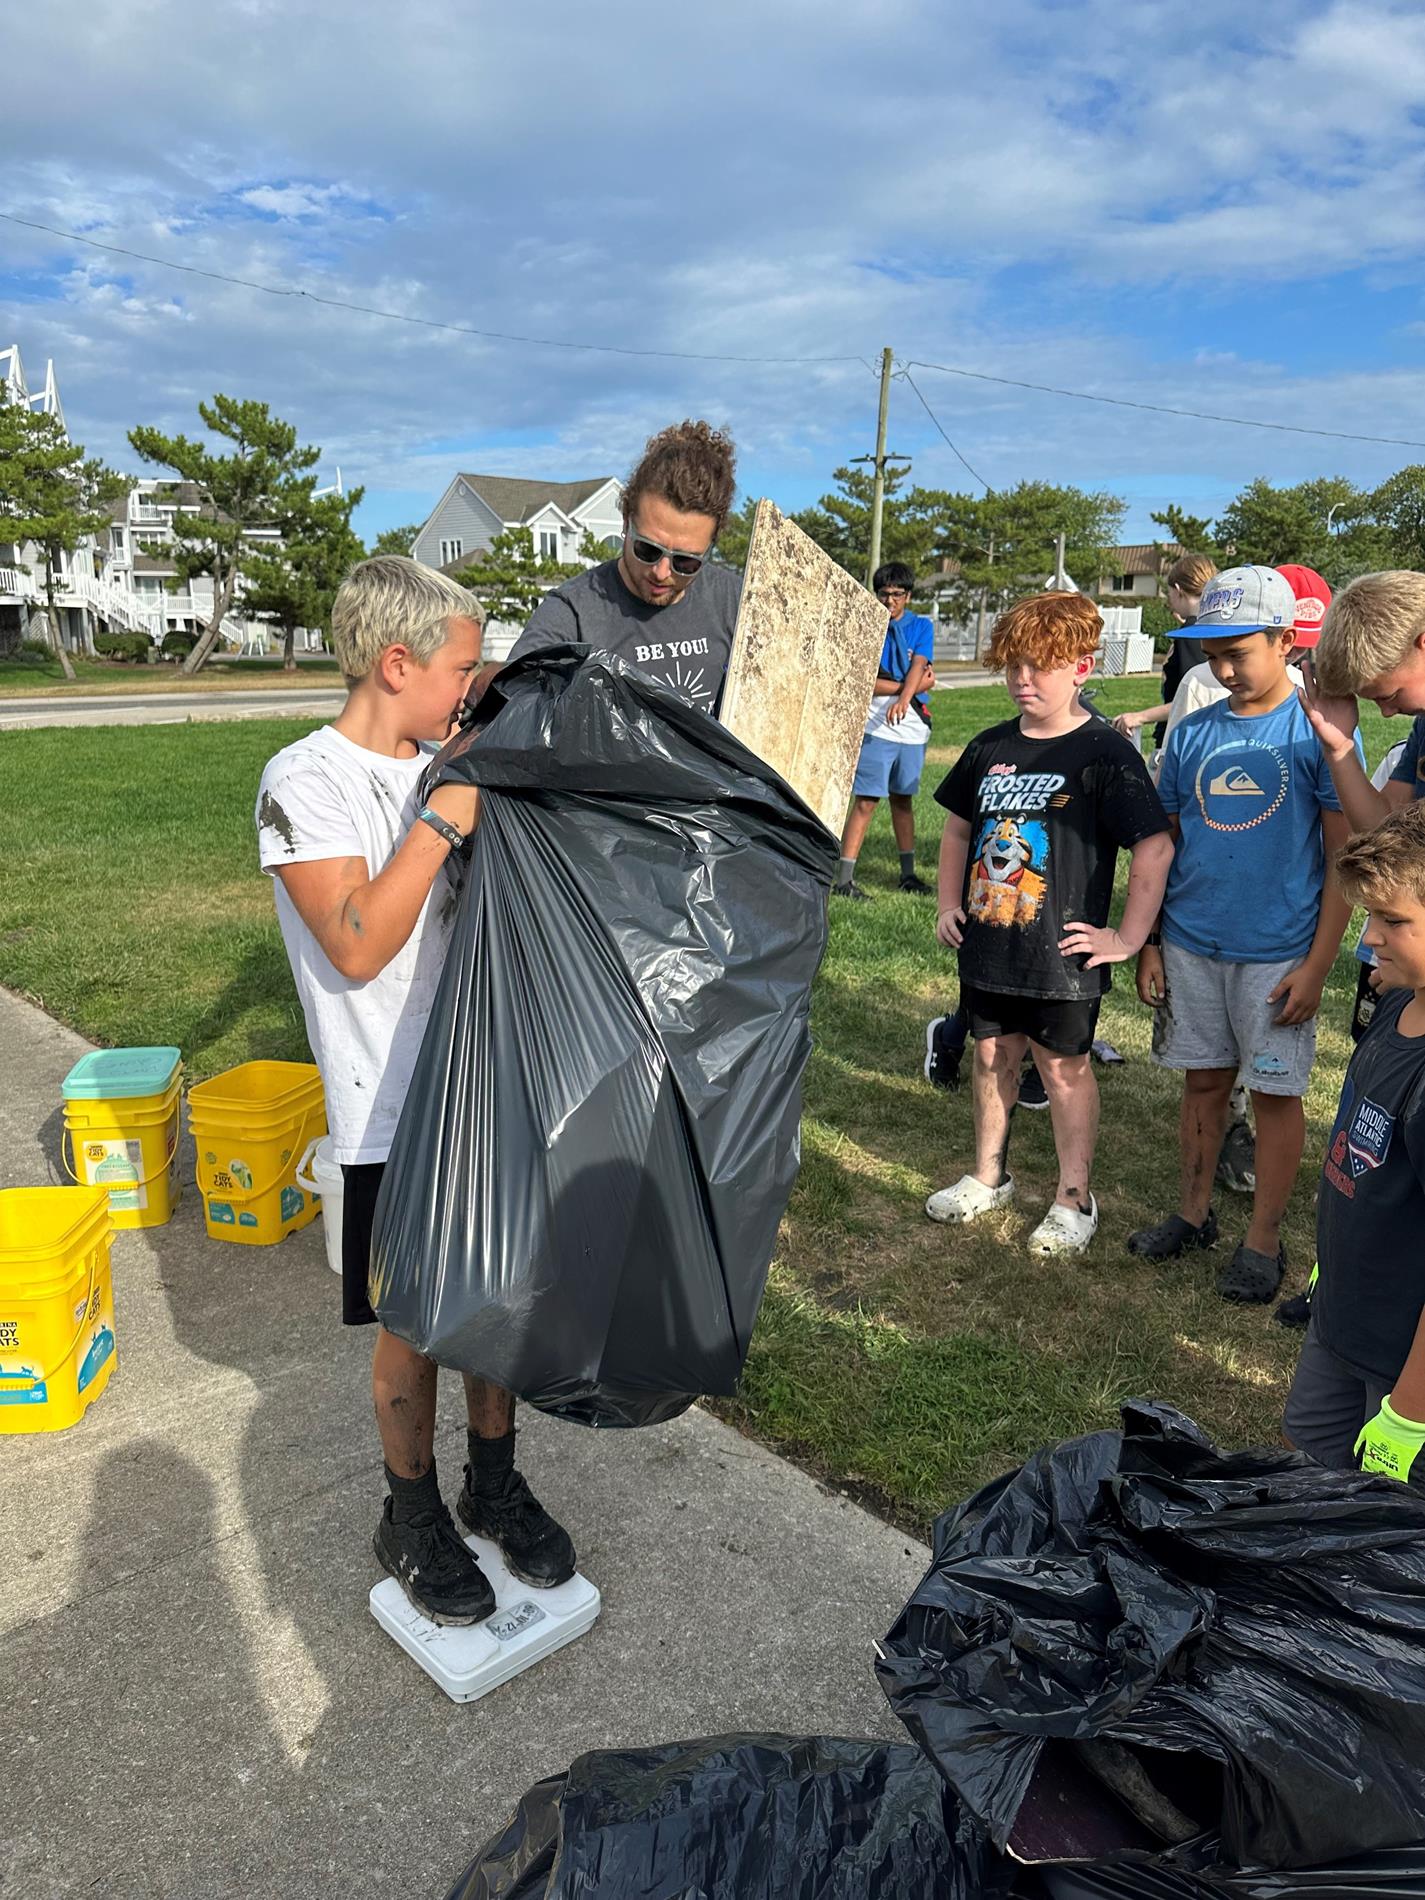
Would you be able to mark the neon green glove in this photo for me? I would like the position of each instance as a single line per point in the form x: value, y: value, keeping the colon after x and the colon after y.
x: 1390, y: 1444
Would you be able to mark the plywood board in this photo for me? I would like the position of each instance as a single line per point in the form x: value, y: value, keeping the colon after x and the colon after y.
x: 803, y: 665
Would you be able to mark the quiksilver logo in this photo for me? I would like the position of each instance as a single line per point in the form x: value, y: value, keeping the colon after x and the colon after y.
x: 1235, y: 783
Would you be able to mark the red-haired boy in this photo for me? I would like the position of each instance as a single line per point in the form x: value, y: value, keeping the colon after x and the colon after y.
x: 1039, y: 808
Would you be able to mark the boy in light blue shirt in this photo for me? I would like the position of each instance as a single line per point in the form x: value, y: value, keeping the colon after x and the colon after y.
x: 897, y: 731
x: 1250, y: 926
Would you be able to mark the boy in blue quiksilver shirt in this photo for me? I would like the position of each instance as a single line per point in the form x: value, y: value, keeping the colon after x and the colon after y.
x: 897, y: 729
x: 1250, y: 927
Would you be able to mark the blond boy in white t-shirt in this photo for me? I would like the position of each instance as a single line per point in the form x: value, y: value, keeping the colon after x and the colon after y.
x: 365, y: 916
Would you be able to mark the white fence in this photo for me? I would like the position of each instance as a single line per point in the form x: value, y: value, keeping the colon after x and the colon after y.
x: 1125, y: 647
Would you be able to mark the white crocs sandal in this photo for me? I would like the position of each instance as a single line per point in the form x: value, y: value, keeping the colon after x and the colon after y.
x: 1065, y: 1230
x: 968, y: 1199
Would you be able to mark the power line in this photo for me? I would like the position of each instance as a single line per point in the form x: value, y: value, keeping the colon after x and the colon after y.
x: 1162, y: 409
x: 404, y: 316
x: 907, y: 377
x: 696, y: 356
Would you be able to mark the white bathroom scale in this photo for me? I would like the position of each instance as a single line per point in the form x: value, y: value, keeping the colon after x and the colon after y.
x: 527, y: 1626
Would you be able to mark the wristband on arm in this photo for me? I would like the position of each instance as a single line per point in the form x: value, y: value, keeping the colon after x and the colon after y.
x: 438, y: 824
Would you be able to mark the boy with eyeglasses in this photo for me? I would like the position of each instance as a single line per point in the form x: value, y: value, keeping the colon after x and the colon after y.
x: 897, y: 729
x: 662, y: 604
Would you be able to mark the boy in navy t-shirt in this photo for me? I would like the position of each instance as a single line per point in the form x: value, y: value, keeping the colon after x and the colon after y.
x: 1359, y: 1390
x: 1250, y: 928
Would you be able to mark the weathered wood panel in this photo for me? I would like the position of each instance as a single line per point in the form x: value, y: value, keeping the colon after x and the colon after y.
x: 803, y: 663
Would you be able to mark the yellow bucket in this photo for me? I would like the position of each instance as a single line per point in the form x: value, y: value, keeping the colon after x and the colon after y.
x: 121, y: 1116
x: 56, y: 1305
x: 252, y: 1126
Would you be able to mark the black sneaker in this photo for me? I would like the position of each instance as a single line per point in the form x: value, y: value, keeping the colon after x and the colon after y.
x: 853, y: 891
x: 916, y: 885
x: 537, y: 1550
x: 945, y: 1050
x: 1295, y: 1312
x: 1173, y: 1237
x: 434, y: 1567
x: 1237, y: 1164
x: 1031, y: 1089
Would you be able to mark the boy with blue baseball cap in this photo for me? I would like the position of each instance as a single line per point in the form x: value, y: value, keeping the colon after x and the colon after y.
x: 1249, y: 928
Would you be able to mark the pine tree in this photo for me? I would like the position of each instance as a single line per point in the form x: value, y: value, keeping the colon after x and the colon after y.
x: 291, y: 583
x: 251, y: 487
x: 52, y: 494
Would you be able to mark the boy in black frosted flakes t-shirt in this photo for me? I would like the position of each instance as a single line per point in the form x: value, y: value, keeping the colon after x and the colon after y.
x: 1039, y: 808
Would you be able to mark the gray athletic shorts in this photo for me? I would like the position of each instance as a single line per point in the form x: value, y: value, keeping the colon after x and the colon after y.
x: 1328, y: 1404
x: 1217, y: 1017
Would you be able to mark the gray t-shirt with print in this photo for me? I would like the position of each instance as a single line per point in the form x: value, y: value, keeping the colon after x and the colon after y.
x: 685, y: 645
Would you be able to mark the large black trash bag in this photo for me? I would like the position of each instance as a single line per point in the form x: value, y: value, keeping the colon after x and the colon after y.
x: 603, y: 1125
x: 1251, y: 1626
x: 739, y: 1817
x: 1391, y: 1873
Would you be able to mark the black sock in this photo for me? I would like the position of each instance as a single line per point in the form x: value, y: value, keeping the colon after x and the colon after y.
x: 907, y: 864
x: 845, y: 871
x: 491, y: 1460
x: 413, y: 1497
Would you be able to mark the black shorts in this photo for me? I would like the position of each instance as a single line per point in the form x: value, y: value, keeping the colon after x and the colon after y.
x: 361, y: 1184
x: 1064, y: 1025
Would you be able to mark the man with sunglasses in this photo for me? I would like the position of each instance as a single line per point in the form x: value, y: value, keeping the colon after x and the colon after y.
x: 662, y: 604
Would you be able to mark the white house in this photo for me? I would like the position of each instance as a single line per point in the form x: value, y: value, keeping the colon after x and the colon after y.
x: 139, y: 559
x: 86, y: 595
x: 125, y: 577
x: 475, y: 508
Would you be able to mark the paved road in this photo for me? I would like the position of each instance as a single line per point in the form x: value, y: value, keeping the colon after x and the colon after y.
x: 198, y: 1703
x: 162, y: 709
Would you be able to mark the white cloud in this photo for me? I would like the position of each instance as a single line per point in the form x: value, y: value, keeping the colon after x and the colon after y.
x: 292, y: 201
x: 1043, y: 184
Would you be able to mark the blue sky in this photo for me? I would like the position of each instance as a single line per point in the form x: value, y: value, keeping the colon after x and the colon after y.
x: 1228, y: 218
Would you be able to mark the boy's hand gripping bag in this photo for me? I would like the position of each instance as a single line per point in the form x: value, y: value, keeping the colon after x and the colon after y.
x: 602, y: 1129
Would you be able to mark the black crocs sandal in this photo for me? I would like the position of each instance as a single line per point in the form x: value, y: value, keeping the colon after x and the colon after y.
x: 1173, y: 1237
x: 1251, y: 1278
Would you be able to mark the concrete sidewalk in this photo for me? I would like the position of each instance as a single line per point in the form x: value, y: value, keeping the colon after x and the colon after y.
x: 199, y: 1702
x: 170, y: 709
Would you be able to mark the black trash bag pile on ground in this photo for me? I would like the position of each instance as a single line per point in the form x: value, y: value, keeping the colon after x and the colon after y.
x: 758, y: 1817
x: 602, y: 1130
x: 1144, y: 1668
x: 1241, y: 1636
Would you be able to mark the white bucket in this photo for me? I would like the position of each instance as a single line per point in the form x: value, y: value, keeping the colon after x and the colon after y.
x: 322, y: 1176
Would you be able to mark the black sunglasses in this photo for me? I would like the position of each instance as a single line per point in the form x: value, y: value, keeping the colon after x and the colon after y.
x: 650, y: 553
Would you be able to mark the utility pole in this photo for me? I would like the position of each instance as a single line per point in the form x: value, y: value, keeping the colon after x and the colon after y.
x: 878, y: 462
x: 984, y: 593
x: 1060, y: 580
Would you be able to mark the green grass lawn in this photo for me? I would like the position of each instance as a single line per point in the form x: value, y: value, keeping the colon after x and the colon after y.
x: 905, y: 1360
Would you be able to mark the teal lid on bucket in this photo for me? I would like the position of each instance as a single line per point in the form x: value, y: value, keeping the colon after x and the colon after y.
x: 110, y: 1075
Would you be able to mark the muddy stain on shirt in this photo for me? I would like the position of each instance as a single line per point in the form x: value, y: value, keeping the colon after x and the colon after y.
x: 271, y: 817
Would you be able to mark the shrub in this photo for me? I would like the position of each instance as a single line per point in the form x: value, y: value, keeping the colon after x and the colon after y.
x: 36, y: 649
x: 123, y: 646
x: 178, y: 643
